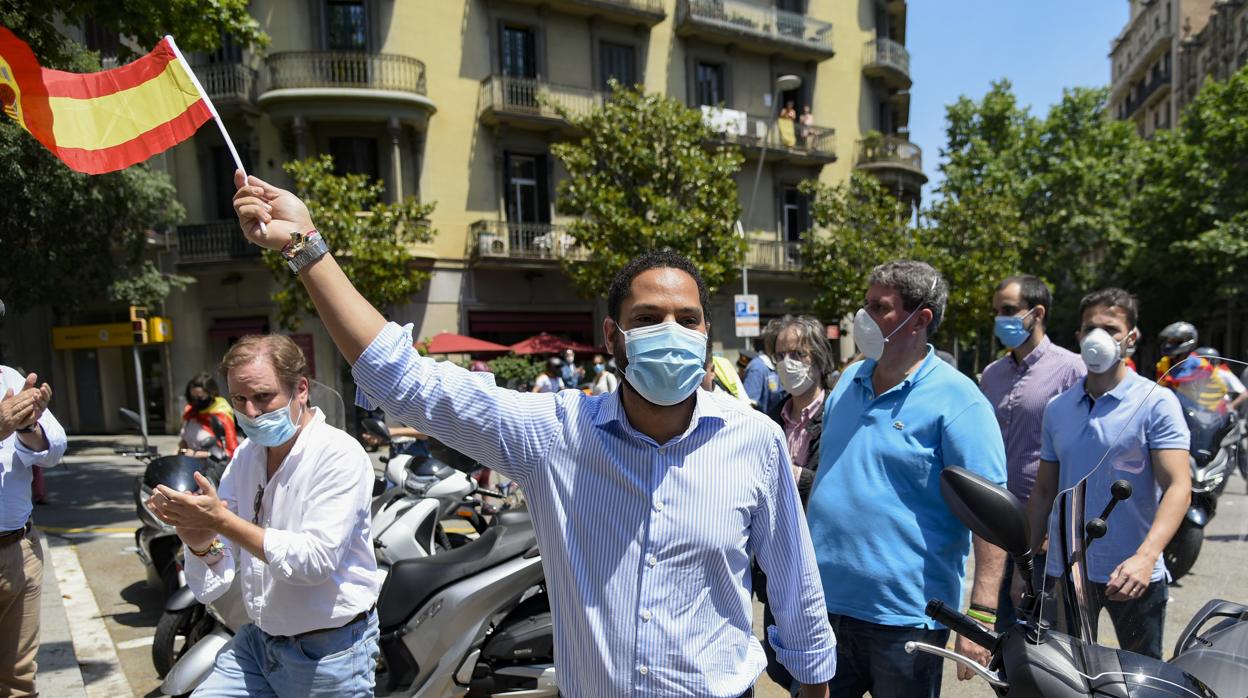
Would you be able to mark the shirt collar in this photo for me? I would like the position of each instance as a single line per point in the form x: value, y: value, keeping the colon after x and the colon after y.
x: 611, y: 412
x: 1118, y: 393
x: 929, y: 364
x: 1036, y: 354
x: 808, y: 415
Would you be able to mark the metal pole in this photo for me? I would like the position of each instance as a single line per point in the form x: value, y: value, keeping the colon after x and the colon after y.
x: 138, y: 379
x: 758, y: 175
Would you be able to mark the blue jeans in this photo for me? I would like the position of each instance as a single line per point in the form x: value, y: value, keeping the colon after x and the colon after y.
x: 339, y: 662
x: 871, y: 658
x: 1138, y: 622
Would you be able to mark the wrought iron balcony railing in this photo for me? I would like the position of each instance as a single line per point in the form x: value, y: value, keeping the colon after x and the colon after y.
x: 329, y: 69
x: 215, y: 241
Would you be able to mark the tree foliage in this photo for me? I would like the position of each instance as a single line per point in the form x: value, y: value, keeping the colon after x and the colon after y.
x: 643, y: 178
x: 71, y: 236
x: 372, y: 240
x: 148, y: 286
x: 859, y: 225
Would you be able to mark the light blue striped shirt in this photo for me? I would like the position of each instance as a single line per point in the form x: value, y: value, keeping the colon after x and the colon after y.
x: 646, y: 548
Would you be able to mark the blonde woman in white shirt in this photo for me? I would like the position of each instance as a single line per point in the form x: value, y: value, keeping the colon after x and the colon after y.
x: 605, y: 380
x: 290, y: 521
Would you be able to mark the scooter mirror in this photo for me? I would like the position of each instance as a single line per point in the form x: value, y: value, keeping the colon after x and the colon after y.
x: 376, y: 427
x: 988, y: 509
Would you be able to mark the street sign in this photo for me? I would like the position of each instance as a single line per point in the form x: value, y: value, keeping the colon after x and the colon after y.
x: 157, y: 330
x: 745, y: 309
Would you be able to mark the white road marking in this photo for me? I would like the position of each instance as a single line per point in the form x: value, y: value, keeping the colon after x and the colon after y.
x: 93, y: 646
x: 91, y: 536
x: 136, y: 643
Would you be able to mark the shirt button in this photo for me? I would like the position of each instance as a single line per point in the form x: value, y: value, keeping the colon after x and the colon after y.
x: 652, y: 561
x: 643, y: 670
x: 646, y: 615
x: 658, y: 506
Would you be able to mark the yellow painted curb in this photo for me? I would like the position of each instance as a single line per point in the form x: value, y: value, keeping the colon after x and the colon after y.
x: 88, y: 529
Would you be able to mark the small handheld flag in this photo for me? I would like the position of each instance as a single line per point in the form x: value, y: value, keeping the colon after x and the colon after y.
x: 105, y: 121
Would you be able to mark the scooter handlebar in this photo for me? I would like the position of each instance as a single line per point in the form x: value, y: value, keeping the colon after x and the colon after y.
x: 961, y: 624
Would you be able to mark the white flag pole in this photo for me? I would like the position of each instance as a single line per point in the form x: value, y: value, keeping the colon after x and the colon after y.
x: 212, y: 109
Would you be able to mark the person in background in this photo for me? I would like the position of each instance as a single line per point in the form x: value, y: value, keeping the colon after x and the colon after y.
x: 571, y: 374
x: 1019, y: 385
x: 884, y: 537
x: 762, y: 384
x: 604, y: 380
x: 1118, y: 412
x: 549, y: 380
x: 807, y: 130
x: 721, y: 376
x: 203, y: 402
x: 1235, y: 390
x: 804, y: 364
x: 479, y: 366
x: 30, y: 438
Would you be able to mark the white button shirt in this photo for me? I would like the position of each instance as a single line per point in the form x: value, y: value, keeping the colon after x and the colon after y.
x: 17, y: 462
x: 315, y: 514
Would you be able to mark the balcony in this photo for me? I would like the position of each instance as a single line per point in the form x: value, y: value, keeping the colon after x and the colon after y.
x: 895, y: 161
x: 774, y: 255
x: 229, y: 85
x: 216, y: 241
x: 807, y: 145
x: 530, y: 104
x: 639, y: 13
x: 1160, y: 83
x: 530, y: 242
x: 753, y: 26
x: 887, y: 61
x: 346, y: 86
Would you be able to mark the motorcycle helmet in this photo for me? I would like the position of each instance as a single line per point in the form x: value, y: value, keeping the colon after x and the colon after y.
x: 1209, y: 353
x: 1178, y: 339
x: 178, y: 473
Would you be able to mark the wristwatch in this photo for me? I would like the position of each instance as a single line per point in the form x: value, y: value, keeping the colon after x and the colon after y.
x: 303, y: 249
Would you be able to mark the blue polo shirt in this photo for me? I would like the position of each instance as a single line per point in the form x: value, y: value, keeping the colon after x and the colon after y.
x: 1128, y: 423
x: 884, y: 539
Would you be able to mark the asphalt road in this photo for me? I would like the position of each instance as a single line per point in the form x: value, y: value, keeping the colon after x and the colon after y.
x: 93, y: 509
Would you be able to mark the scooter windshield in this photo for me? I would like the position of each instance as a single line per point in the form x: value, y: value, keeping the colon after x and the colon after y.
x: 328, y: 401
x: 1148, y: 536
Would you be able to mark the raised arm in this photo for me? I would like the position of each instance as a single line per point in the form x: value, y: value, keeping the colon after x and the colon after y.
x: 352, y: 321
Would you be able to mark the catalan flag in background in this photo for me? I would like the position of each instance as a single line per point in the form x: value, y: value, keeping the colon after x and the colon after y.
x: 106, y: 121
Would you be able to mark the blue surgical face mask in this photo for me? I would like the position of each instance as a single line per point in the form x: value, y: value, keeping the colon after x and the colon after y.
x: 271, y: 429
x: 598, y: 368
x: 666, y: 362
x: 1009, y: 329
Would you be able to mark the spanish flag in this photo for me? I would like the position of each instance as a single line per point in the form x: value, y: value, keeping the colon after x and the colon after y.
x: 105, y: 121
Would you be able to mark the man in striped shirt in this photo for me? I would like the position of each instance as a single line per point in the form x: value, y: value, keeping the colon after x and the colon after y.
x: 1019, y: 385
x: 649, y: 502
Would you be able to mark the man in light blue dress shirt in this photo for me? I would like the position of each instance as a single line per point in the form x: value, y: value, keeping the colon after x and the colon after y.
x: 649, y: 502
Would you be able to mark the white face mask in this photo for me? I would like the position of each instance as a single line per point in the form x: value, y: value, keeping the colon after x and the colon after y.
x: 1100, y: 352
x: 795, y: 376
x: 868, y: 335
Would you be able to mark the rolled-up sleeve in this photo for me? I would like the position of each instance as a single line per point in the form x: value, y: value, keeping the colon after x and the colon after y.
x: 209, y: 582
x: 503, y: 429
x: 50, y: 456
x: 333, y: 511
x: 780, y: 540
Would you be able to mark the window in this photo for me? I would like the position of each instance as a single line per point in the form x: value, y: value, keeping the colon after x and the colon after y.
x: 518, y: 52
x: 354, y: 155
x: 528, y: 199
x: 221, y: 189
x: 618, y: 62
x: 709, y: 84
x: 229, y: 52
x: 345, y: 27
x: 795, y: 212
x: 103, y: 41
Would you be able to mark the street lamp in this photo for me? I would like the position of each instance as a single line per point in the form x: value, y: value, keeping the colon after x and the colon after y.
x: 784, y: 83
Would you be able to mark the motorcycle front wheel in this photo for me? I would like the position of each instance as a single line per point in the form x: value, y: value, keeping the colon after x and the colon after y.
x: 1183, y: 549
x: 175, y: 633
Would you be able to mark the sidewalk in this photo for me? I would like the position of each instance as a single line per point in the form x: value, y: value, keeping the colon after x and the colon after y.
x: 59, y: 674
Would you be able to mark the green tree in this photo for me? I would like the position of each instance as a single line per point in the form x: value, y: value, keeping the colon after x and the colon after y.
x: 73, y: 235
x: 643, y: 177
x: 857, y: 225
x: 148, y: 286
x: 372, y: 240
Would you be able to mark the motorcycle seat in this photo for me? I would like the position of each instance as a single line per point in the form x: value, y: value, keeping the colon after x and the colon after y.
x: 413, y: 582
x: 514, y: 517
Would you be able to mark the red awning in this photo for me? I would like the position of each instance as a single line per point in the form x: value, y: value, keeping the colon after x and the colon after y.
x: 450, y: 343
x: 549, y: 344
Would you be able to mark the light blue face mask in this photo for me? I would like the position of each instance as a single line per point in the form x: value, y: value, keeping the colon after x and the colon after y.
x: 271, y: 429
x: 1009, y: 329
x: 666, y: 362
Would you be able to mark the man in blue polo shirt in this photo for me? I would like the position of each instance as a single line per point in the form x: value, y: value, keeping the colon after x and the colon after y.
x: 1133, y: 430
x: 885, y: 541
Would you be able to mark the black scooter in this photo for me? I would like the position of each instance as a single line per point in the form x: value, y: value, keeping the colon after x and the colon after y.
x: 1031, y: 660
